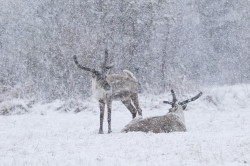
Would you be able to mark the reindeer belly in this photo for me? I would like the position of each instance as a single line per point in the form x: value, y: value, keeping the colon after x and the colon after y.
x: 122, y: 91
x: 160, y: 124
x: 121, y: 95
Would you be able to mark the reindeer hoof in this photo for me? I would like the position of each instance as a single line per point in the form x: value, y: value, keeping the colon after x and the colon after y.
x: 100, y: 132
x: 110, y: 131
x: 138, y: 117
x: 133, y: 115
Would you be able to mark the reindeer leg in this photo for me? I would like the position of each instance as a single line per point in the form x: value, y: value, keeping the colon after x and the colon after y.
x: 135, y: 100
x: 102, y: 108
x: 130, y: 107
x: 109, y: 105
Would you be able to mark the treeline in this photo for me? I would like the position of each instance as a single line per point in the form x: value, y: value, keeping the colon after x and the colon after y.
x: 166, y: 44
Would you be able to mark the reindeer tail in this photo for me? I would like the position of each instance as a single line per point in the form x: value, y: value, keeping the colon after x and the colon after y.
x: 129, y: 74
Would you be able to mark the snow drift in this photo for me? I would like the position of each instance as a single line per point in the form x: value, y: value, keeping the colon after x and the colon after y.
x: 217, y: 133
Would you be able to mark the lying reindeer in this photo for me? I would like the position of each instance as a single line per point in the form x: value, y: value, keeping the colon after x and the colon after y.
x: 171, y: 122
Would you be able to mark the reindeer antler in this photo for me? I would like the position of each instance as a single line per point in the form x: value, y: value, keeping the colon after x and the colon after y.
x: 173, y: 101
x: 105, y: 68
x: 192, y: 99
x: 83, y: 67
x: 183, y: 103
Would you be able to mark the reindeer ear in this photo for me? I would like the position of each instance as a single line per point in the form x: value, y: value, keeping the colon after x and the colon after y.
x: 184, y: 106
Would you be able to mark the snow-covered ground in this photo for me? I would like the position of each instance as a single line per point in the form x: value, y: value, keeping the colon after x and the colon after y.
x: 218, y: 134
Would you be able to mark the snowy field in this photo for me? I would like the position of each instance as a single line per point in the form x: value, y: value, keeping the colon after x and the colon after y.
x: 218, y: 134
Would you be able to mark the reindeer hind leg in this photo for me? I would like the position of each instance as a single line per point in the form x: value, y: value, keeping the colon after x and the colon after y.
x: 134, y: 98
x: 130, y: 107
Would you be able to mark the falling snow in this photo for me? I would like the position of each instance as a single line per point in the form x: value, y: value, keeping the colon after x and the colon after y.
x: 48, y: 116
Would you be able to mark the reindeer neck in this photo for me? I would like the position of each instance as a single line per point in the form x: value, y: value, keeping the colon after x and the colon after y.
x: 179, y: 112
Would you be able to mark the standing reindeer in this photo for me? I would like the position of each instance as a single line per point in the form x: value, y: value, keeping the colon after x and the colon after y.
x: 172, y: 121
x: 109, y: 87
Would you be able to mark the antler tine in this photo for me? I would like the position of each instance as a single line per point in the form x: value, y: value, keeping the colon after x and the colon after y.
x: 167, y: 102
x: 192, y: 99
x: 82, y: 67
x: 173, y: 101
x: 106, y: 57
x: 105, y: 67
x: 174, y: 97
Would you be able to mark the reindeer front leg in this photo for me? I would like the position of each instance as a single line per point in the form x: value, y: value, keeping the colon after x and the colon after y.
x: 102, y: 107
x: 109, y: 105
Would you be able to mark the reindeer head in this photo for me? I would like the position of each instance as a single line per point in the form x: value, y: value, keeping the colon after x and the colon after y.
x: 100, y: 77
x: 180, y: 105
